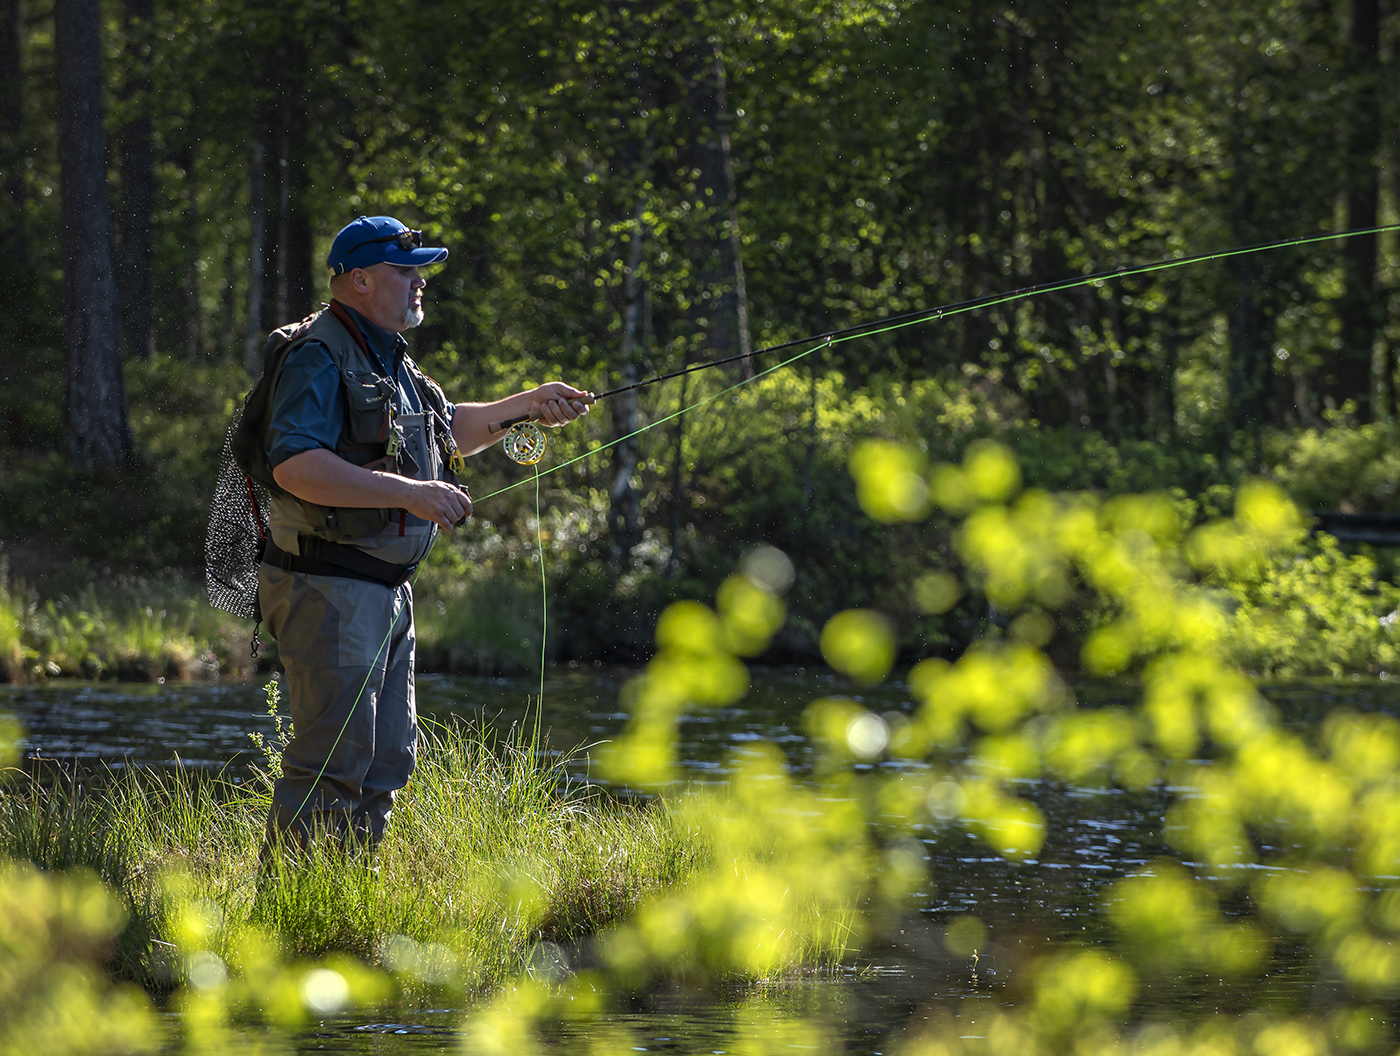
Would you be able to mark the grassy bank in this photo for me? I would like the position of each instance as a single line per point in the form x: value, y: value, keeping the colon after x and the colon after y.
x: 125, y: 626
x: 490, y: 853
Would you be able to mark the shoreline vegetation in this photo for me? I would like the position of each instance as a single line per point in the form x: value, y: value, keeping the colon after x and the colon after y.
x: 1320, y: 608
x: 131, y: 629
x: 114, y: 588
x: 492, y: 858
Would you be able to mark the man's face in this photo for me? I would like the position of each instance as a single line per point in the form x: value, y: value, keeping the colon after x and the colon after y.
x: 395, y: 297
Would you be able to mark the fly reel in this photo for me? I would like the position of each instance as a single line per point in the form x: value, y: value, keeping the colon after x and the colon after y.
x: 524, y: 443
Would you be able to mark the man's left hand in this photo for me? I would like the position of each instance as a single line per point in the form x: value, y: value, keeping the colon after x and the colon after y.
x: 555, y: 404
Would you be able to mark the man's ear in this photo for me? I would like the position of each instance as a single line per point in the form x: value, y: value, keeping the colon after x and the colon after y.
x: 344, y: 283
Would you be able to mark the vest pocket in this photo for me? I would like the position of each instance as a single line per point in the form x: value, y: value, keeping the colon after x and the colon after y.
x: 342, y: 524
x: 367, y: 399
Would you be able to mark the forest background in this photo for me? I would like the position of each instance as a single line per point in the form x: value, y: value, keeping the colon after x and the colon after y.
x: 629, y: 188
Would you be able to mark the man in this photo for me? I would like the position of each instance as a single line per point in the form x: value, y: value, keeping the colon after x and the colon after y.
x: 362, y: 447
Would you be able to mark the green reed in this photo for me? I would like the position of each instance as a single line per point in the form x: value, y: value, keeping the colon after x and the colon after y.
x: 491, y: 851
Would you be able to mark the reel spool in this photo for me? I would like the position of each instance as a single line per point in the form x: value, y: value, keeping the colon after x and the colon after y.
x: 524, y: 443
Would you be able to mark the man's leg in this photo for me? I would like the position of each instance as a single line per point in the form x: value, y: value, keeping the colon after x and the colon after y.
x: 395, y: 737
x: 333, y: 637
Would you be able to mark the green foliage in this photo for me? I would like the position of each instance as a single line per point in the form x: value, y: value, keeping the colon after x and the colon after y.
x: 52, y: 993
x: 479, y: 599
x: 485, y: 624
x: 271, y: 749
x: 1313, y: 611
x: 887, y: 158
x: 540, y: 163
x: 1340, y: 468
x: 152, y: 515
x: 1245, y: 792
x: 1068, y: 459
x: 11, y: 632
x: 1317, y: 816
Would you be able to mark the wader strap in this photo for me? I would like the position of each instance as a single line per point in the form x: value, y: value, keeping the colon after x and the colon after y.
x: 323, y: 558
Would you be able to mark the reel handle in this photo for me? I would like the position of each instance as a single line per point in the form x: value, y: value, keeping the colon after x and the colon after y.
x: 506, y: 423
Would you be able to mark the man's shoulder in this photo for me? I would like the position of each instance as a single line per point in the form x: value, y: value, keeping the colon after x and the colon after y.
x: 319, y: 341
x: 311, y: 354
x: 320, y: 326
x: 290, y: 332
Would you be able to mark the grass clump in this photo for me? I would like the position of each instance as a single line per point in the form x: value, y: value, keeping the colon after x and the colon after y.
x: 491, y: 852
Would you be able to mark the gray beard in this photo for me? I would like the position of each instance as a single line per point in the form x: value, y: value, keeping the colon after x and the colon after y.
x: 412, y: 317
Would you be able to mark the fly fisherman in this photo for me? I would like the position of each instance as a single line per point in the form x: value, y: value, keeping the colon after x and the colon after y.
x: 363, y: 447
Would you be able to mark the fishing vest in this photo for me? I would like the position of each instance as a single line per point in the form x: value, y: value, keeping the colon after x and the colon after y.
x: 379, y: 434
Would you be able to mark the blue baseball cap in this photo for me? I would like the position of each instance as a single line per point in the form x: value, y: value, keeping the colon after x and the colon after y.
x: 374, y: 240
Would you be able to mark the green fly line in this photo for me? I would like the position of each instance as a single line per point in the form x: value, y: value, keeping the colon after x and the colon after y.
x: 927, y: 315
x: 544, y: 604
x: 818, y: 341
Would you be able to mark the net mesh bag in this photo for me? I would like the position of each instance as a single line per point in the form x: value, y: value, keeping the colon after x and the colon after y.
x: 233, y: 544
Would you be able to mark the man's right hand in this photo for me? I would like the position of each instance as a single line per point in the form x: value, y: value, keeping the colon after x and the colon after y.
x: 435, y: 500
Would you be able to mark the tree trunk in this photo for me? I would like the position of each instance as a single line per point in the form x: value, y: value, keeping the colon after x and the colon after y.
x: 14, y: 243
x: 720, y: 269
x: 138, y: 183
x: 1361, y: 310
x: 673, y: 562
x: 1388, y: 382
x: 625, y: 515
x: 736, y: 245
x: 292, y: 291
x: 281, y: 292
x: 96, y: 431
x: 192, y: 253
x: 1249, y: 381
x: 810, y: 530
x: 1173, y: 340
x: 1110, y: 391
x: 257, y: 251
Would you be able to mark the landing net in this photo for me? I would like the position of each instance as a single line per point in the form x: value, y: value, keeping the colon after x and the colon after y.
x: 233, y: 544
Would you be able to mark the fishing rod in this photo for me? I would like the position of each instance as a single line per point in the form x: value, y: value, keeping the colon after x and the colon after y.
x: 525, y: 442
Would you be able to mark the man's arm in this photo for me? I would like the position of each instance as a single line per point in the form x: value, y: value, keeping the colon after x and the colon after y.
x: 323, y: 477
x: 552, y: 404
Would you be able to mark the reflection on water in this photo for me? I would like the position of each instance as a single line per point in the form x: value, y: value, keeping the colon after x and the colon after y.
x: 1095, y: 836
x: 118, y: 724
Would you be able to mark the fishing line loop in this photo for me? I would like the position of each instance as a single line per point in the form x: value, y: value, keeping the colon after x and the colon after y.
x: 874, y: 328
